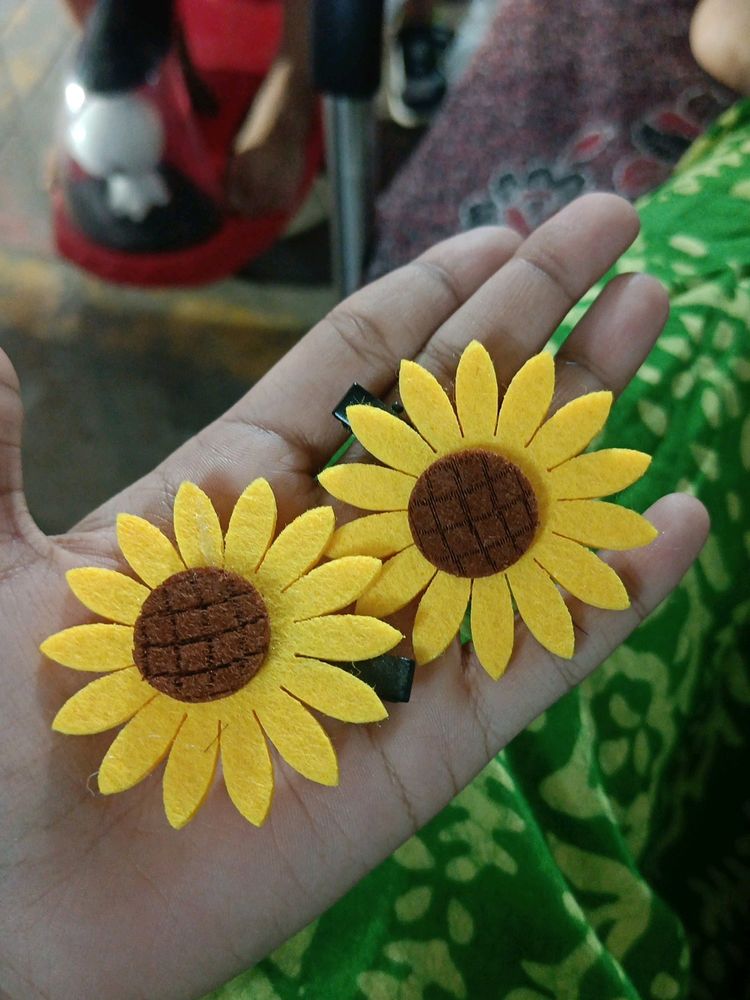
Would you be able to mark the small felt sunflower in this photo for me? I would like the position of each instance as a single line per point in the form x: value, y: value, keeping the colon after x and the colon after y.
x: 218, y: 649
x: 487, y: 504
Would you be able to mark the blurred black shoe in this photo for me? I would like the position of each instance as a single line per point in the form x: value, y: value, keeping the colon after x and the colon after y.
x: 416, y: 80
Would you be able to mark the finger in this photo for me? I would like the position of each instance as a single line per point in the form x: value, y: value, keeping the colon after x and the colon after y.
x: 396, y: 777
x: 365, y: 337
x: 16, y: 527
x: 606, y: 348
x: 604, y: 351
x: 536, y: 679
x: 459, y: 718
x: 283, y: 428
x: 613, y: 339
x: 517, y: 310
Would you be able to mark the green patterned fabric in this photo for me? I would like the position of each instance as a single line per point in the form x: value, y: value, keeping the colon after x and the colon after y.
x: 605, y: 854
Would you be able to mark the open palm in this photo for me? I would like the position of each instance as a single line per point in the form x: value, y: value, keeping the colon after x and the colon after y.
x: 98, y: 896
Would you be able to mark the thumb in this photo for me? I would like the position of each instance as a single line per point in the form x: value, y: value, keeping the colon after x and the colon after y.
x: 17, y: 530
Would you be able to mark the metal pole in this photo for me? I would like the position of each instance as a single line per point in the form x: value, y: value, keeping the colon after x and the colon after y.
x: 350, y: 140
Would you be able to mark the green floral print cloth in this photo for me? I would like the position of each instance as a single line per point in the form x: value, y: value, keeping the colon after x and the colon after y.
x: 605, y: 854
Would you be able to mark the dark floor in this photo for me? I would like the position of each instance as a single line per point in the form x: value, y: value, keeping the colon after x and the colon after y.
x: 113, y: 382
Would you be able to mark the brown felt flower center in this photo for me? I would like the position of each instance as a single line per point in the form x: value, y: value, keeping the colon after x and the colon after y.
x: 473, y: 513
x: 201, y: 635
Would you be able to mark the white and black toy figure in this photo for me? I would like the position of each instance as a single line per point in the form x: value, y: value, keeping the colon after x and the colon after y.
x: 119, y: 187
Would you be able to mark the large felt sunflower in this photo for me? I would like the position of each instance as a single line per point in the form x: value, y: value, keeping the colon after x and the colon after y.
x: 487, y: 504
x: 218, y: 649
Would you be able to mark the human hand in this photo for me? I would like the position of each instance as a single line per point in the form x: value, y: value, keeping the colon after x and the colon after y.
x: 99, y: 897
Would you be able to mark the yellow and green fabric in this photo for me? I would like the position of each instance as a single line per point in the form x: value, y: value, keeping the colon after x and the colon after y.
x: 605, y: 854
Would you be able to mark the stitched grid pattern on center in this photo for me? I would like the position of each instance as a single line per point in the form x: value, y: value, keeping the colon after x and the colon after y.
x: 473, y: 514
x: 201, y: 635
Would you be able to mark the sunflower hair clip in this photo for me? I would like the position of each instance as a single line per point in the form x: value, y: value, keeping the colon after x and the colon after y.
x: 220, y: 648
x: 487, y: 505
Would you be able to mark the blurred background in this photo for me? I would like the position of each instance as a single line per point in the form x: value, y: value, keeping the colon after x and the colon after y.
x: 489, y: 111
x: 114, y: 378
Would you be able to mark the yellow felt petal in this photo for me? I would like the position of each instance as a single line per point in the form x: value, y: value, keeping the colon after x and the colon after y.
x: 331, y: 586
x: 526, y: 401
x: 401, y: 579
x: 541, y: 606
x: 197, y: 528
x: 299, y: 546
x: 389, y: 439
x: 151, y: 555
x: 104, y: 703
x: 99, y: 647
x: 251, y: 529
x: 370, y: 487
x: 298, y: 737
x: 476, y: 393
x: 343, y: 637
x: 492, y: 623
x: 334, y: 692
x: 581, y: 572
x: 190, y: 770
x: 439, y: 616
x: 597, y: 474
x: 248, y: 771
x: 376, y: 535
x: 571, y: 429
x: 141, y: 745
x: 600, y: 524
x: 428, y: 407
x: 108, y: 593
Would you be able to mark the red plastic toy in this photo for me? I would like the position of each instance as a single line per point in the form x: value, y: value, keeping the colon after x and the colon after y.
x: 231, y: 45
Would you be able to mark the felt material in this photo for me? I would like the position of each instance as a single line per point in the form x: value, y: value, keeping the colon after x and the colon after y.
x: 492, y: 623
x: 598, y: 474
x: 473, y: 513
x: 601, y: 525
x: 97, y: 647
x: 218, y: 649
x: 104, y: 703
x: 337, y: 456
x: 571, y: 429
x: 391, y: 677
x: 149, y: 553
x: 190, y: 771
x: 247, y: 768
x: 390, y: 439
x: 603, y: 854
x: 197, y: 528
x: 401, y: 579
x: 251, y: 528
x: 332, y: 586
x: 108, y: 593
x: 428, y: 407
x: 439, y: 616
x: 581, y: 573
x: 334, y: 692
x: 343, y: 637
x: 141, y: 745
x: 464, y: 633
x: 541, y: 607
x: 202, y: 635
x: 369, y: 487
x: 526, y: 401
x: 492, y: 494
x: 476, y: 394
x: 299, y: 738
x: 299, y: 546
x: 377, y: 535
